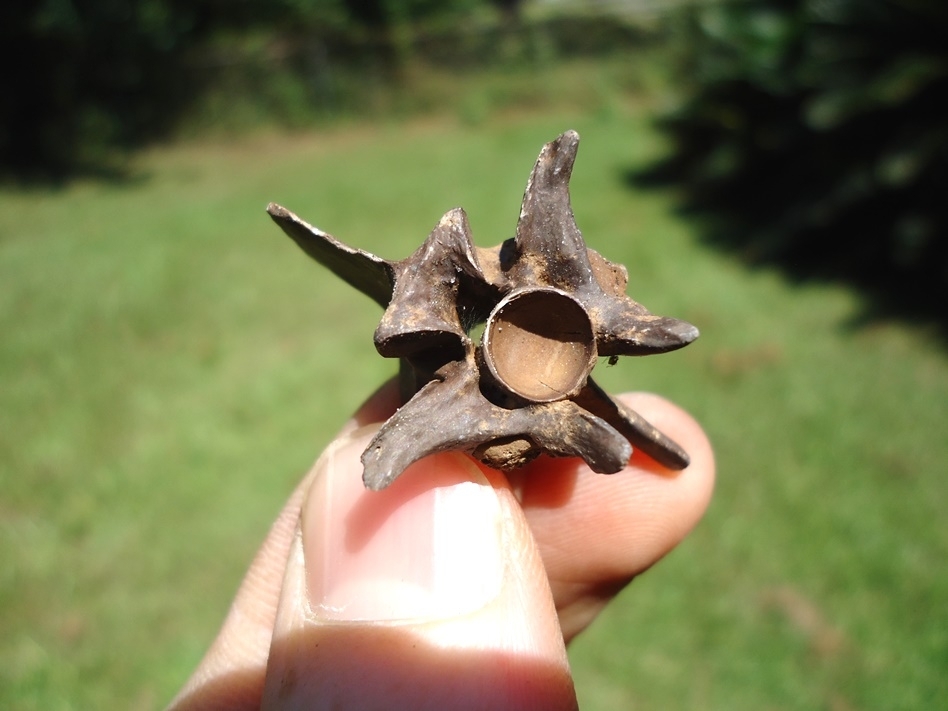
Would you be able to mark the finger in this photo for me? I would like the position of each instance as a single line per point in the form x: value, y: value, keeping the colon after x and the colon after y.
x: 427, y: 595
x: 595, y: 532
x: 562, y: 501
x: 232, y: 671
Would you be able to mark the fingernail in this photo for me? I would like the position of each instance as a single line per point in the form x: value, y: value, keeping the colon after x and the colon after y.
x: 428, y: 547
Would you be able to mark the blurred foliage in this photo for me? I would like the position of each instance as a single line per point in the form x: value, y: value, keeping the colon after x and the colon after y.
x: 295, y: 78
x: 104, y: 76
x: 95, y: 74
x: 815, y: 135
x: 101, y: 75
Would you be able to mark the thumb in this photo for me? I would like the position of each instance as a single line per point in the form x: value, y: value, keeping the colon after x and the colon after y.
x: 429, y: 594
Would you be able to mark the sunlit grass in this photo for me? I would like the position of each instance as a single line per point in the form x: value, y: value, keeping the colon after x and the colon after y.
x: 171, y: 364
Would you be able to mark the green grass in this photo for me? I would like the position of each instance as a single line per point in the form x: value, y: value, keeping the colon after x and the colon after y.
x: 170, y: 364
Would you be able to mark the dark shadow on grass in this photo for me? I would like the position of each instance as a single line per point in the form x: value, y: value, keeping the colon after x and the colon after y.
x: 115, y: 173
x: 755, y: 222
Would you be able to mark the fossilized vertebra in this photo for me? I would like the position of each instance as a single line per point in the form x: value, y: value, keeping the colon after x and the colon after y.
x: 551, y: 307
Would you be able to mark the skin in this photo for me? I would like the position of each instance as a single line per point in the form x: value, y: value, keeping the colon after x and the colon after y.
x: 340, y: 610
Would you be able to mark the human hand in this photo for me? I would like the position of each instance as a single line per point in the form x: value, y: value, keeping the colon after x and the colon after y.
x: 455, y: 588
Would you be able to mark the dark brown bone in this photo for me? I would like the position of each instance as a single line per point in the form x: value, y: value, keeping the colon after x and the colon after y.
x: 551, y: 304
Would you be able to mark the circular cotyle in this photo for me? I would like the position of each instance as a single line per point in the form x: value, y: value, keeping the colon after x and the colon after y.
x: 539, y: 344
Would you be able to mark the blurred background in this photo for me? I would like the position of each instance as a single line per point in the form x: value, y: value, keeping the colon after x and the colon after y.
x: 772, y: 171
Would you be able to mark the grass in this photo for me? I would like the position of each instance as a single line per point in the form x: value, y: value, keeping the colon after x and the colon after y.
x: 171, y: 364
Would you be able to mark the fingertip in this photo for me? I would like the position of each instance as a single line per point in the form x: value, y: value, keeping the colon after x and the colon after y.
x: 430, y: 593
x: 697, y: 479
x: 596, y: 532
